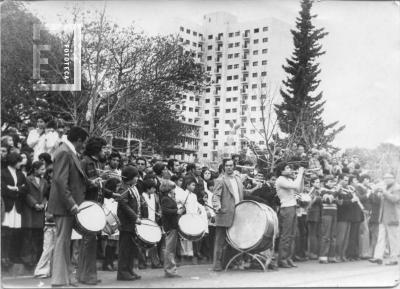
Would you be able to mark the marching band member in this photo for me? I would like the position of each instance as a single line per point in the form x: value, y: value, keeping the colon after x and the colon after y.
x: 328, y: 222
x: 66, y: 193
x: 286, y: 188
x: 129, y: 215
x: 228, y: 191
x: 314, y: 218
x: 170, y: 215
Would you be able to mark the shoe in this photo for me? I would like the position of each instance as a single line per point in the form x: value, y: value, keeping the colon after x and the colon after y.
x: 217, y: 268
x: 391, y: 263
x: 127, y: 278
x: 284, y: 264
x: 109, y: 267
x: 299, y: 259
x: 333, y: 260
x: 91, y: 282
x: 158, y: 266
x: 73, y: 284
x: 323, y: 261
x: 377, y: 261
x: 169, y: 275
x: 291, y: 263
x: 142, y: 266
x: 313, y: 256
x: 273, y: 267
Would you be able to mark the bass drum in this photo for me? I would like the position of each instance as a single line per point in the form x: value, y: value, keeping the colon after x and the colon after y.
x: 255, y: 225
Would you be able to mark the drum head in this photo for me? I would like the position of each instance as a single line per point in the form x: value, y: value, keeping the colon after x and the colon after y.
x: 191, y: 225
x: 149, y: 231
x: 92, y: 218
x: 248, y: 226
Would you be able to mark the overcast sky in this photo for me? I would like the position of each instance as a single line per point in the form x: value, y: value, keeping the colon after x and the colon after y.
x: 360, y: 71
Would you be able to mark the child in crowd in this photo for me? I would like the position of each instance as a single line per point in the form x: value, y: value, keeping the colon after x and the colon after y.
x: 170, y: 214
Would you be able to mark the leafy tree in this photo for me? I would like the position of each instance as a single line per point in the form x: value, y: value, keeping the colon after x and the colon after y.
x: 300, y: 113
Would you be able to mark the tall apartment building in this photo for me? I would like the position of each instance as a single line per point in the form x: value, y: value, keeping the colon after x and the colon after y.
x: 244, y: 61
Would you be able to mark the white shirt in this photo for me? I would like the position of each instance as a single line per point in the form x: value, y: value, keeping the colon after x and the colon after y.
x: 286, y: 190
x: 235, y: 188
x: 151, y: 204
x: 13, y: 172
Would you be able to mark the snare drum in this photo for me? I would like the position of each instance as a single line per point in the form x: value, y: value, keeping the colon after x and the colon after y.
x: 191, y: 227
x: 90, y: 218
x: 112, y: 221
x: 148, y: 233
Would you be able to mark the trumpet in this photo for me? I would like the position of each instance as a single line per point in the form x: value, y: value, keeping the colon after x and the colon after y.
x: 307, y: 171
x: 109, y: 173
x: 258, y: 180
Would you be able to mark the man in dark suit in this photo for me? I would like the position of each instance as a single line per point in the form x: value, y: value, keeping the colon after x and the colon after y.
x: 91, y: 163
x: 228, y: 191
x: 66, y: 194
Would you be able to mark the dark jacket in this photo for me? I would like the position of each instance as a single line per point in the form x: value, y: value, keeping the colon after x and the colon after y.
x: 128, y: 209
x: 375, y: 201
x: 266, y: 195
x: 69, y: 182
x: 31, y: 218
x: 314, y: 211
x: 169, y: 211
x: 362, y: 194
x: 11, y: 197
x: 344, y: 206
x: 89, y: 167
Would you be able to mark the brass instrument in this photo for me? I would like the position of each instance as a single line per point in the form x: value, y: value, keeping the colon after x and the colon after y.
x: 258, y: 180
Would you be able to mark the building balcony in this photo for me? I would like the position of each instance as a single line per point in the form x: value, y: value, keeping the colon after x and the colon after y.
x: 244, y: 80
x: 246, y: 35
x: 245, y: 68
x: 217, y: 72
x: 218, y: 60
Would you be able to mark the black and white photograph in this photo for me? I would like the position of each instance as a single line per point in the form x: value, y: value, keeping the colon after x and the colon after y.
x: 200, y: 144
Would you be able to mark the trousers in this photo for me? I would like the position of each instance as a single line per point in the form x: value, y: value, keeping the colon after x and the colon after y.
x: 342, y: 239
x: 171, y: 239
x: 364, y: 237
x: 387, y: 234
x: 328, y: 236
x: 301, y: 236
x: 287, y: 229
x: 44, y: 266
x: 62, y: 273
x: 313, y: 237
x: 87, y: 269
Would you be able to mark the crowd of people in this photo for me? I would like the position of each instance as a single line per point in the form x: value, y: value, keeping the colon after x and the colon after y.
x: 329, y: 209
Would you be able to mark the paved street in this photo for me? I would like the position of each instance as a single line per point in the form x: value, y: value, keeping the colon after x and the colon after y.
x: 309, y: 274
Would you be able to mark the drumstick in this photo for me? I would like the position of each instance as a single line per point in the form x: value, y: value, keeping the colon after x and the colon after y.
x: 149, y: 225
x: 210, y: 207
x: 81, y: 209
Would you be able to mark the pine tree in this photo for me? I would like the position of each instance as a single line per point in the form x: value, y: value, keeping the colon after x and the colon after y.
x: 300, y: 113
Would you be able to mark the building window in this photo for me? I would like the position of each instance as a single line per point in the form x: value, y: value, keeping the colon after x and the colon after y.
x: 206, y: 122
x: 253, y: 131
x: 200, y: 35
x: 180, y: 39
x: 235, y: 99
x: 206, y: 133
x: 205, y: 144
x: 265, y: 28
x: 256, y: 30
x: 234, y: 110
x: 255, y: 63
x: 208, y: 68
x: 228, y: 110
x: 194, y: 33
x: 210, y: 36
x: 228, y: 100
x: 188, y: 31
x: 230, y: 45
x: 261, y: 142
x: 194, y: 44
x: 231, y: 34
x: 187, y: 42
x: 235, y: 88
x: 263, y: 84
x: 229, y: 66
x: 207, y: 100
x: 209, y: 57
x: 204, y: 155
x: 255, y: 52
x: 227, y: 132
x: 229, y: 88
x: 236, y: 66
x: 183, y: 107
x: 229, y: 77
x: 261, y: 120
x: 236, y: 77
x: 265, y: 39
x: 208, y: 90
x: 264, y: 73
x: 230, y: 56
x: 182, y: 29
x: 253, y: 108
x: 237, y: 33
x: 264, y: 62
x: 255, y: 74
x: 209, y: 47
x: 206, y: 111
x: 236, y: 55
x: 255, y: 41
x: 254, y: 85
x: 253, y: 97
x: 264, y: 51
